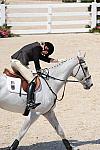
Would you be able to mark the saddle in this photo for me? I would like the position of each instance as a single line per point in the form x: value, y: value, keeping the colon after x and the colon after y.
x: 24, y: 83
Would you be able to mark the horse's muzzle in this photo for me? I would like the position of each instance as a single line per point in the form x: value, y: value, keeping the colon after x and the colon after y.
x: 88, y: 87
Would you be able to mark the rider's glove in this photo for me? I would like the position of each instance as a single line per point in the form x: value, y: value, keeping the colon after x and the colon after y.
x: 39, y: 72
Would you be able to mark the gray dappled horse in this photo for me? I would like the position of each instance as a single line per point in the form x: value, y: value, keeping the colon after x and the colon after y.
x: 52, y: 81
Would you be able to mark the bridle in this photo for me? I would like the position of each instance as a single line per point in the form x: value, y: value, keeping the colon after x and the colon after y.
x: 81, y: 61
x: 45, y: 75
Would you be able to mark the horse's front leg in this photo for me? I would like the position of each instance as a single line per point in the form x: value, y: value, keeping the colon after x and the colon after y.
x: 32, y: 117
x: 50, y: 116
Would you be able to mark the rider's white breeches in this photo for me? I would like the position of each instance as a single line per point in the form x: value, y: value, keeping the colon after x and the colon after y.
x: 24, y: 71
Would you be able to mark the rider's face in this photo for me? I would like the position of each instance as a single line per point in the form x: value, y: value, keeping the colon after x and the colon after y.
x: 45, y: 50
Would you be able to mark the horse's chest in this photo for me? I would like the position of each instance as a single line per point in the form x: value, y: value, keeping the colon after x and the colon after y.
x: 47, y: 101
x: 48, y: 98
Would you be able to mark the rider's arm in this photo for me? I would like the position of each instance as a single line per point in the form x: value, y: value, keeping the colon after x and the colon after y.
x: 52, y: 60
x: 36, y: 55
x: 48, y: 59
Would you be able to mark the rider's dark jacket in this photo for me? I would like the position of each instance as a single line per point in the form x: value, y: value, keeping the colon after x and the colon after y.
x: 31, y: 52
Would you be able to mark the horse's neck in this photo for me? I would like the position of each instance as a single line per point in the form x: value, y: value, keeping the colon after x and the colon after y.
x: 62, y: 71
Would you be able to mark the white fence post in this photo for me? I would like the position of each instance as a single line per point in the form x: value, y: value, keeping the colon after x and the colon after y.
x: 3, y: 14
x: 49, y: 18
x: 94, y: 14
x: 78, y: 1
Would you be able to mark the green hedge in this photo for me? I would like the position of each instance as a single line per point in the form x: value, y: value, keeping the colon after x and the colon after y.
x: 68, y: 1
x: 87, y: 1
x: 83, y: 1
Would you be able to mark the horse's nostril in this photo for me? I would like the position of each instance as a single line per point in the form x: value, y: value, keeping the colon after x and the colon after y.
x: 92, y: 84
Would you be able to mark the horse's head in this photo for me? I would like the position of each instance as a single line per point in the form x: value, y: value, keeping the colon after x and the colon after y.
x: 81, y: 72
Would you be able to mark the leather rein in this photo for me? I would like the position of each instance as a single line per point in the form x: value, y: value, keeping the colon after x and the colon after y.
x: 65, y: 81
x: 46, y: 76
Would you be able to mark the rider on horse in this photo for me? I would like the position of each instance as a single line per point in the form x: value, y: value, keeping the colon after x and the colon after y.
x: 20, y: 60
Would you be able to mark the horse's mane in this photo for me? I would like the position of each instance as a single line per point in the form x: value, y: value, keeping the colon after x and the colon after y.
x: 59, y: 63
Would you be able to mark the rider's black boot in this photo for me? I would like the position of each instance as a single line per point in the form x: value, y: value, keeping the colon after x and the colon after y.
x: 30, y: 96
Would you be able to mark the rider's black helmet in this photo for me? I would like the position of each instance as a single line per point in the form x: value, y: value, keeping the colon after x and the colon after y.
x: 50, y: 47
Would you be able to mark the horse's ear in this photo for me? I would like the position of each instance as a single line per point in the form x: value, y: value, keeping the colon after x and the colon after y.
x: 80, y: 55
x: 84, y: 54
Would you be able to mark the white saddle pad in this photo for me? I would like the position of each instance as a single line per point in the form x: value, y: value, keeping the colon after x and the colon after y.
x: 14, y: 85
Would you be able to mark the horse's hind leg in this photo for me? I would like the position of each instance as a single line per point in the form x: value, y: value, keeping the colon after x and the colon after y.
x: 54, y: 122
x: 32, y: 117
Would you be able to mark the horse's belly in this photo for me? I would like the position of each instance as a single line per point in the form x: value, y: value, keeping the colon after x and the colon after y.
x: 13, y: 103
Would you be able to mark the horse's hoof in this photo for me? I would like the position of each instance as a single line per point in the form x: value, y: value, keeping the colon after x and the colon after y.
x: 8, y: 148
x: 75, y: 148
x: 70, y: 148
x: 14, y: 145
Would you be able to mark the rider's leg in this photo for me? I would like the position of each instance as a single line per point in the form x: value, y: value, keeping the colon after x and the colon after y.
x: 27, y: 74
x: 30, y: 96
x: 24, y: 70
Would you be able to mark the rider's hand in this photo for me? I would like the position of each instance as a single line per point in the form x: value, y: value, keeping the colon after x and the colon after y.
x: 54, y: 60
x: 39, y: 72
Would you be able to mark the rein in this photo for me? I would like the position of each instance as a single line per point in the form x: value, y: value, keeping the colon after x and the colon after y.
x: 47, y: 76
x: 53, y: 91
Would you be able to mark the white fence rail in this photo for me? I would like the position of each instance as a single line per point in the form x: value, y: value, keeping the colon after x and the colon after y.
x: 49, y: 18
